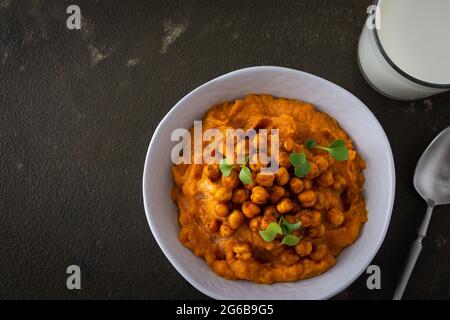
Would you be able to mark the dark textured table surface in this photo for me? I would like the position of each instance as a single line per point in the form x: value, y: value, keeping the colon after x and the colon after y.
x: 78, y: 109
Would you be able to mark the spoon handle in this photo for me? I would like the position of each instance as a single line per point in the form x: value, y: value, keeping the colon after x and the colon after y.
x: 413, y: 255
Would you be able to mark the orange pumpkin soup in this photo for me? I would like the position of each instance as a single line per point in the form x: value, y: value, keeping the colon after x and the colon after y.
x: 231, y: 224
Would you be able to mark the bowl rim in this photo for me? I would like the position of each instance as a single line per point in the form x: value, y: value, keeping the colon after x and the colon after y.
x: 391, y: 174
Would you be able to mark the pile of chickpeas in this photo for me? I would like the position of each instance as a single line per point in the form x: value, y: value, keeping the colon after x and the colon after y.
x: 271, y: 196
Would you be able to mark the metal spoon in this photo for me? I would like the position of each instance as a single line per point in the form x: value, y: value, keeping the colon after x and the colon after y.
x: 432, y: 182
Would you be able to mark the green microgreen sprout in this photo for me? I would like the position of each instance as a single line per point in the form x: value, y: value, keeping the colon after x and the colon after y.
x: 302, y: 166
x: 288, y: 227
x: 337, y: 148
x: 245, y: 175
x: 283, y: 228
x: 225, y: 167
x: 310, y: 144
x: 272, y: 230
x: 290, y: 240
x: 300, y: 163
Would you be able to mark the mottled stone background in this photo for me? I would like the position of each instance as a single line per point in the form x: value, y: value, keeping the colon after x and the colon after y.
x: 78, y: 109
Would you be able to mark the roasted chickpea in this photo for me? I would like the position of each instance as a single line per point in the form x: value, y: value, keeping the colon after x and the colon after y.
x: 221, y: 209
x: 314, y: 171
x: 265, y: 221
x: 316, y: 218
x: 283, y: 159
x: 251, y: 185
x: 289, y: 258
x: 307, y: 198
x: 236, y: 219
x: 307, y: 184
x: 298, y: 147
x: 239, y: 196
x: 335, y: 217
x: 326, y: 179
x: 277, y: 193
x: 351, y: 195
x: 254, y: 163
x: 303, y: 248
x: 296, y: 185
x: 254, y: 223
x: 265, y: 180
x: 339, y: 182
x: 241, y: 247
x: 282, y: 176
x: 321, y: 162
x: 290, y: 218
x: 213, y: 226
x: 317, y: 232
x: 244, y: 256
x: 250, y: 209
x: 285, y: 205
x: 232, y: 181
x: 271, y: 211
x: 288, y: 144
x: 259, y: 195
x: 223, y: 194
x: 225, y: 230
x: 319, y: 253
x: 322, y: 202
x: 212, y: 171
x: 255, y: 167
x: 305, y: 217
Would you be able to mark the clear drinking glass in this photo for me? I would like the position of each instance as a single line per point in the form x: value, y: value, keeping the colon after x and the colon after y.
x: 404, y: 48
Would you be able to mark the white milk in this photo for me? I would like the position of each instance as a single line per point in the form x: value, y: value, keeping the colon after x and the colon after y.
x: 409, y: 57
x: 416, y: 36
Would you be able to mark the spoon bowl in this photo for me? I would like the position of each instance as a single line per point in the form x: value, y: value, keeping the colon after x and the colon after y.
x: 432, y: 175
x: 432, y: 182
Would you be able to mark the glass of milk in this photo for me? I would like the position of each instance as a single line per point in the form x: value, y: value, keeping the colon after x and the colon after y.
x: 404, y: 48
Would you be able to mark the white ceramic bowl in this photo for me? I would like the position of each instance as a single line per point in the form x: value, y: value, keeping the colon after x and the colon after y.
x: 353, y: 116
